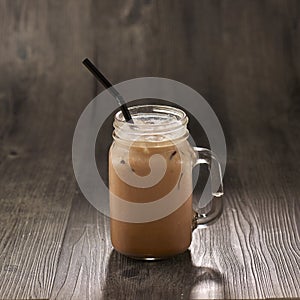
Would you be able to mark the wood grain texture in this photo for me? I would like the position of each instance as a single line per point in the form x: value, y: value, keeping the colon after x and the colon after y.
x: 242, y: 56
x: 38, y: 109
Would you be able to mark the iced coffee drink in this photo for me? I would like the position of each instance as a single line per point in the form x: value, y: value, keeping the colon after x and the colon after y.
x: 150, y: 182
x: 161, y: 236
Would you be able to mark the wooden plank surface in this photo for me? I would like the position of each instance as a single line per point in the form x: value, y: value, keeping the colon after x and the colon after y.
x: 39, y: 64
x: 242, y: 56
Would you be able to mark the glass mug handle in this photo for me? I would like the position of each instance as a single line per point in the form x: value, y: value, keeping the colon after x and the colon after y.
x: 207, y: 157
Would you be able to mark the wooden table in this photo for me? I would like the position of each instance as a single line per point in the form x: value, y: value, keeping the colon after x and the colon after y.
x: 242, y: 56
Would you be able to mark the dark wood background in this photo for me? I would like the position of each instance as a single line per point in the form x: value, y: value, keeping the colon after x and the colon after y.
x: 242, y: 56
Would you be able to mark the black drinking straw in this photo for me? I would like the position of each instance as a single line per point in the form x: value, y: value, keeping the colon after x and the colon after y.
x: 92, y: 68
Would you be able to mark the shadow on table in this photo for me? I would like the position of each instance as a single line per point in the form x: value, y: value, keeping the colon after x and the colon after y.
x: 168, y: 279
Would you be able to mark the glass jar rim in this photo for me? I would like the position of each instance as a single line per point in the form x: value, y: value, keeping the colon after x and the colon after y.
x: 151, y: 122
x: 180, y: 115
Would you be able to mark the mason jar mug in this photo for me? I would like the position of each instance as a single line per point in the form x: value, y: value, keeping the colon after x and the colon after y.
x: 151, y: 186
